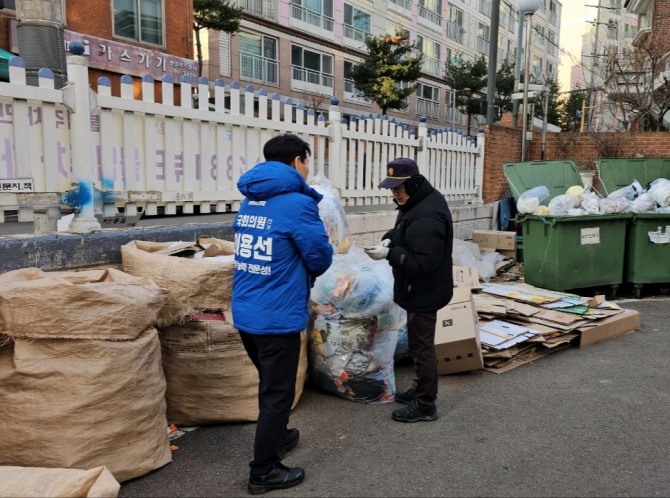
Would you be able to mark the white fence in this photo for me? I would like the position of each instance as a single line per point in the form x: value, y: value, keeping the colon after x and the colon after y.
x: 127, y: 154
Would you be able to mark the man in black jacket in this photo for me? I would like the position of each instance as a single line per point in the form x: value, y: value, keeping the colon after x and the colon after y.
x: 419, y: 250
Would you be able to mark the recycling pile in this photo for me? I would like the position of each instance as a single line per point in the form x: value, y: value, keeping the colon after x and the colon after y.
x: 577, y: 201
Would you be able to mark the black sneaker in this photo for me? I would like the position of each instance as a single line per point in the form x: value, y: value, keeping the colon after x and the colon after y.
x: 414, y: 413
x: 280, y: 477
x: 290, y: 440
x: 406, y: 397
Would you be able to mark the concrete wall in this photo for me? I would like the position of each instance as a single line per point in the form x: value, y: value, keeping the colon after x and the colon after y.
x: 70, y: 251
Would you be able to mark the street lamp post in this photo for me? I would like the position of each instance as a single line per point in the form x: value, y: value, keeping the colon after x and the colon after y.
x: 526, y: 8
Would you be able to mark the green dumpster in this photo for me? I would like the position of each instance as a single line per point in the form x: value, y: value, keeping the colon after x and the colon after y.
x: 647, y: 259
x: 566, y: 252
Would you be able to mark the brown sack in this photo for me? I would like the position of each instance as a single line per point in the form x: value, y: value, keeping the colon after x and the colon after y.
x: 84, y: 403
x: 193, y: 284
x: 210, y: 378
x: 57, y: 483
x: 77, y: 305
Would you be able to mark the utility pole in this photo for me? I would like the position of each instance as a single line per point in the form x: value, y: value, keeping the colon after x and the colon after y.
x: 594, y: 51
x: 493, y: 62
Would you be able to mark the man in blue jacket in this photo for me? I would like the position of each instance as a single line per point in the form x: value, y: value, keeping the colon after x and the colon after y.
x: 281, y: 246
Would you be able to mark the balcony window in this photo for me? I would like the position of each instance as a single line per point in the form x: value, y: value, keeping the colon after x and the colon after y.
x: 553, y: 13
x: 552, y: 44
x: 260, y: 8
x: 483, y: 38
x: 539, y: 37
x: 318, y: 13
x: 258, y: 58
x: 455, y: 29
x: 613, y: 30
x: 401, y: 4
x: 356, y: 23
x: 427, y: 101
x: 629, y: 31
x: 431, y: 10
x: 537, y: 67
x: 139, y: 20
x: 485, y: 7
x: 431, y: 55
x: 311, y: 71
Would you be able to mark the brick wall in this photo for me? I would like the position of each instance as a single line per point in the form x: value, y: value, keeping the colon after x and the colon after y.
x: 504, y: 145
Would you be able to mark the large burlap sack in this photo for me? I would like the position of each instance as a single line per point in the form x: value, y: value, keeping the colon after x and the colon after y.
x: 193, y: 284
x: 82, y: 398
x: 95, y: 304
x: 57, y: 483
x: 210, y: 378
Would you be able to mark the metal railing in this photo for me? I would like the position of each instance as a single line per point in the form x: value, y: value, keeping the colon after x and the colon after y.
x: 355, y: 34
x: 351, y: 93
x: 260, y: 8
x: 313, y: 77
x: 427, y: 108
x: 455, y: 31
x: 258, y: 68
x: 482, y: 45
x: 431, y: 65
x: 553, y: 18
x: 403, y: 4
x: 431, y: 16
x: 312, y: 17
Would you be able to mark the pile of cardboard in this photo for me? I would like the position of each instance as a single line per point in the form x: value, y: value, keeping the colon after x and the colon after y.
x: 519, y: 323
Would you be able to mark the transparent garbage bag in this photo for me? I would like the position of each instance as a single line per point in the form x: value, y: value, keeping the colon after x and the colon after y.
x: 614, y: 204
x: 659, y: 190
x: 643, y: 203
x: 590, y: 203
x: 561, y: 204
x: 531, y: 199
x: 630, y: 192
x: 332, y: 214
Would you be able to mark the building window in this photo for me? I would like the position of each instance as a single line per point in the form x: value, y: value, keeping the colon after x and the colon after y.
x: 539, y: 36
x: 612, y: 29
x: 485, y: 7
x: 455, y: 25
x: 552, y: 44
x: 356, y: 23
x: 553, y: 13
x: 351, y: 93
x: 431, y: 55
x: 550, y: 68
x: 310, y: 69
x: 428, y: 101
x: 140, y: 20
x: 403, y: 4
x: 262, y: 8
x: 258, y: 58
x: 629, y: 30
x: 537, y: 67
x: 431, y: 10
x: 392, y: 29
x: 483, y: 38
x: 318, y: 13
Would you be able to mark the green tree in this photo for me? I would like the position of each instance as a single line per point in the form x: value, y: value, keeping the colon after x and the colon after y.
x: 219, y: 15
x: 505, y: 86
x: 391, y: 60
x: 570, y: 108
x: 468, y: 78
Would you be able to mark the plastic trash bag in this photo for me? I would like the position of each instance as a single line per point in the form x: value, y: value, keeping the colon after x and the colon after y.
x: 590, y: 203
x: 644, y: 203
x: 576, y: 212
x: 630, y: 192
x: 486, y: 266
x: 463, y: 254
x: 560, y: 204
x: 353, y: 359
x: 659, y: 190
x: 576, y: 191
x: 332, y: 214
x: 531, y: 199
x: 354, y: 286
x: 614, y: 204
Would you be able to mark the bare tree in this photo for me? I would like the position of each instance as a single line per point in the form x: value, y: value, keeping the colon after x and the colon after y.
x: 637, y: 84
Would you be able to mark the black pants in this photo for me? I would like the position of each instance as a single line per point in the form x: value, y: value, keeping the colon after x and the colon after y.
x: 421, y: 338
x: 276, y: 358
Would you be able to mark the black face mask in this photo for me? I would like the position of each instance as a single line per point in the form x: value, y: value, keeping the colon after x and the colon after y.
x: 412, y: 185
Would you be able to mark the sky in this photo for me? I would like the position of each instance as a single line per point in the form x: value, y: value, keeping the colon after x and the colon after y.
x: 573, y: 26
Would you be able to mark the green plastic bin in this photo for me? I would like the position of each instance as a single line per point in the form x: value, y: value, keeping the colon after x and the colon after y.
x: 566, y: 252
x: 646, y: 262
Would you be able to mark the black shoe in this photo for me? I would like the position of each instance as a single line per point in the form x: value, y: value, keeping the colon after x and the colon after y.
x: 280, y: 477
x: 290, y: 440
x: 406, y: 397
x: 414, y: 413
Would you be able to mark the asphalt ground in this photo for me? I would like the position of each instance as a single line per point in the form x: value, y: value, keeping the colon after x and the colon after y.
x: 580, y: 422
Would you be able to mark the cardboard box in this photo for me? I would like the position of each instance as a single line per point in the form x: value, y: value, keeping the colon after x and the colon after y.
x: 493, y: 239
x: 457, y: 344
x: 466, y: 276
x: 624, y: 323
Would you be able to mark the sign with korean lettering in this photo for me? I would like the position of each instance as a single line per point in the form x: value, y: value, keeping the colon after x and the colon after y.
x: 17, y: 185
x: 590, y: 236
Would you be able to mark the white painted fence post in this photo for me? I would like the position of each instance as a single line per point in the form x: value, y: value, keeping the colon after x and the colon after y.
x: 77, y: 95
x: 422, y: 151
x: 335, y: 166
x: 479, y: 166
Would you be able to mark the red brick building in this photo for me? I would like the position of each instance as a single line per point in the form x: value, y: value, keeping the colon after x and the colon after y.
x: 134, y: 37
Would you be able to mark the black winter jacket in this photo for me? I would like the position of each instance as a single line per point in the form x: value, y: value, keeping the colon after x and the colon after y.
x: 420, y: 251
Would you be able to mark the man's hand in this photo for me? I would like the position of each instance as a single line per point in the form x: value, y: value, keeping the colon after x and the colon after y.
x: 377, y: 252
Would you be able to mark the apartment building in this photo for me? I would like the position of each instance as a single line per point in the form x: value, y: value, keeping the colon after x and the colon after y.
x: 609, y: 35
x: 134, y: 37
x: 305, y: 49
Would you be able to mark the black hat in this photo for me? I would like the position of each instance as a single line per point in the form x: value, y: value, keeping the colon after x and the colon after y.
x: 399, y: 171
